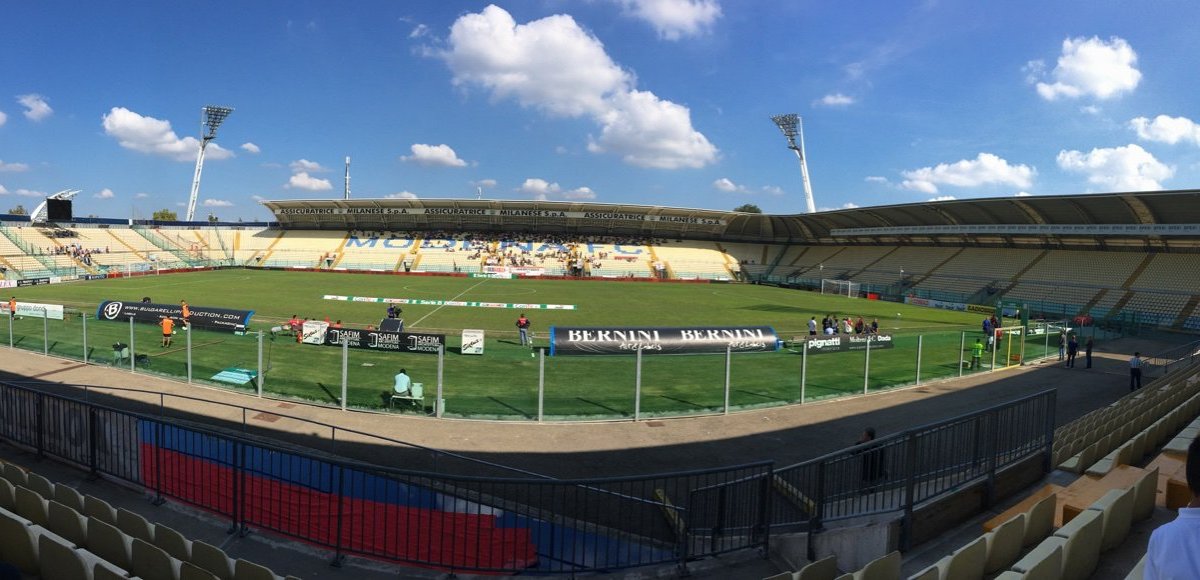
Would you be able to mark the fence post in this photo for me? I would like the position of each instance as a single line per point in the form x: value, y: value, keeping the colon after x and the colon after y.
x: 259, y: 376
x: 989, y: 496
x: 962, y: 343
x: 1051, y: 405
x: 40, y: 426
x: 637, y: 386
x: 764, y: 510
x: 45, y: 333
x: 11, y: 316
x: 803, y: 370
x: 920, y: 344
x: 541, y: 384
x: 83, y: 318
x: 818, y: 513
x: 1046, y: 332
x: 91, y: 440
x: 910, y: 490
x: 338, y: 557
x: 132, y: 347
x: 728, y: 363
x: 441, y: 361
x: 346, y: 368
x: 867, y: 366
x: 187, y: 336
x: 995, y: 347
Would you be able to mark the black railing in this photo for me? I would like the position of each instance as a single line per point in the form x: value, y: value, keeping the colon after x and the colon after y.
x: 898, y: 472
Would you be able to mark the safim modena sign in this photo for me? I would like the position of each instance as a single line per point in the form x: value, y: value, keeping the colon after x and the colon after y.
x: 661, y: 340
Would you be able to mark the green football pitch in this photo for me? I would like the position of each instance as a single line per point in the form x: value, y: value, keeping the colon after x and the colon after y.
x: 503, y: 383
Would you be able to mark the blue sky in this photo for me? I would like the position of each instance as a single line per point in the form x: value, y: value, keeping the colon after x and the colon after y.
x: 663, y: 102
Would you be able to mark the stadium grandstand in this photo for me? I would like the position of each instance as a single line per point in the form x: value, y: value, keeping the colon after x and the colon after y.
x: 989, y: 487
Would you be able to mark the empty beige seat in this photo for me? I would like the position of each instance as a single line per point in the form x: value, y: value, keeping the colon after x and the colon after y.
x: 882, y: 568
x: 104, y: 571
x: 151, y: 563
x: 1144, y: 492
x: 17, y: 545
x: 1080, y: 543
x: 59, y: 560
x: 190, y: 571
x: 1042, y: 563
x: 1004, y: 544
x: 1116, y: 507
x: 930, y: 573
x: 823, y: 569
x: 67, y: 523
x: 14, y: 474
x: 69, y: 497
x: 966, y: 563
x: 97, y: 508
x: 44, y: 487
x: 135, y: 525
x: 244, y: 570
x: 172, y: 542
x: 8, y: 495
x: 1040, y: 520
x: 106, y: 541
x: 212, y: 559
x: 31, y: 506
x: 1082, y: 460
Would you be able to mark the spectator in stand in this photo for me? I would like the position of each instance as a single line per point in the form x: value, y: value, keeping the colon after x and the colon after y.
x: 1174, y: 550
x: 875, y: 326
x: 859, y: 326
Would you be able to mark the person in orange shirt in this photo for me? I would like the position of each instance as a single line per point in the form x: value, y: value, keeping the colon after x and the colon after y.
x: 186, y: 313
x: 12, y: 307
x: 168, y: 328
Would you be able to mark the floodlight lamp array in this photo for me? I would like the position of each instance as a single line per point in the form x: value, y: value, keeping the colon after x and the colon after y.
x: 213, y: 117
x: 787, y: 123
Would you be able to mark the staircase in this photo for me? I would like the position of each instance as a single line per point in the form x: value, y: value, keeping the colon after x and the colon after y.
x: 165, y: 245
x: 929, y: 274
x: 775, y: 263
x: 1186, y: 312
x: 1016, y: 279
x: 221, y: 242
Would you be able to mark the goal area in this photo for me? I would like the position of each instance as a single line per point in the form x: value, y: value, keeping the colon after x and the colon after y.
x: 840, y: 287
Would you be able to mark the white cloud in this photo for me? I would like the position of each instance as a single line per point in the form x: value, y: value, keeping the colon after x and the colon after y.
x: 303, y: 180
x: 433, y: 156
x: 772, y: 190
x: 3, y: 118
x: 876, y: 179
x: 402, y: 195
x: 1022, y: 194
x: 542, y: 190
x: 257, y: 197
x: 847, y: 205
x: 985, y: 169
x: 555, y: 66
x: 835, y: 100
x: 105, y: 193
x: 142, y: 195
x: 305, y: 165
x: 579, y: 193
x: 418, y: 31
x: 1164, y: 129
x: 539, y: 187
x: 216, y: 203
x: 727, y: 185
x: 484, y: 183
x: 674, y: 19
x: 3, y: 190
x: 249, y: 147
x: 30, y: 193
x: 943, y: 198
x: 1090, y: 110
x: 36, y: 107
x: 13, y: 167
x: 155, y: 137
x: 1128, y: 168
x: 1090, y: 67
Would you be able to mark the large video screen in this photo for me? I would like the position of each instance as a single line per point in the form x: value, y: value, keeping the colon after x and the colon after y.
x: 58, y: 210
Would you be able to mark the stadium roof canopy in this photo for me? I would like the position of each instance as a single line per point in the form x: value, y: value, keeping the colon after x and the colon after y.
x: 1148, y: 220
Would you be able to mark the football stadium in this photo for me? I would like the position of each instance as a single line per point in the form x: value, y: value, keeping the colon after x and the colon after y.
x: 635, y: 314
x: 579, y: 317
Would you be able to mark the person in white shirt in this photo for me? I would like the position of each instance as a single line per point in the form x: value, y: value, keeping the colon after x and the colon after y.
x: 812, y: 326
x: 1135, y: 371
x: 403, y: 384
x: 1174, y: 550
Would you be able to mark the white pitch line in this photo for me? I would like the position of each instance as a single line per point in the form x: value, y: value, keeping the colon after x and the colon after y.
x: 431, y: 313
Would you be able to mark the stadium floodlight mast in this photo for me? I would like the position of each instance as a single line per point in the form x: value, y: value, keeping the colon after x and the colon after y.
x: 211, y: 118
x: 792, y: 126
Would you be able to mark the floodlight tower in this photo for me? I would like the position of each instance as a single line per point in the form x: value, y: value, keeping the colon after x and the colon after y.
x: 792, y: 126
x: 211, y: 118
x: 346, y: 191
